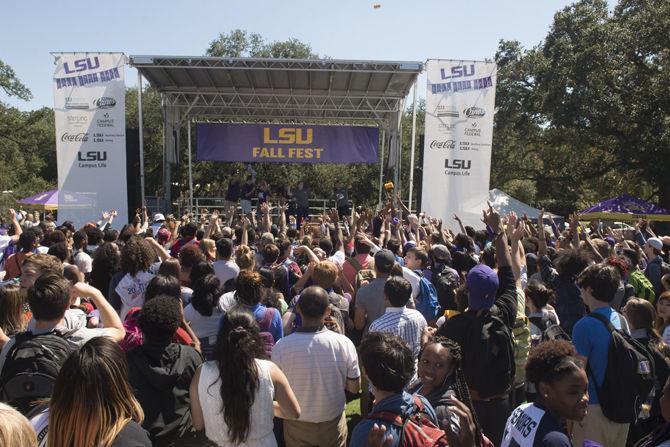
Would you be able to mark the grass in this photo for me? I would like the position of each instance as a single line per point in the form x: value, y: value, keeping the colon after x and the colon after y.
x: 353, y: 412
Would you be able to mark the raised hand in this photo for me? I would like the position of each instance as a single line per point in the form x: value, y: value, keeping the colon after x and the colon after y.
x: 492, y: 218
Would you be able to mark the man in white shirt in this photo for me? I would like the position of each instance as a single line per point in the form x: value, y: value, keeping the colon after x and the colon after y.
x: 408, y: 324
x: 224, y: 267
x: 320, y: 365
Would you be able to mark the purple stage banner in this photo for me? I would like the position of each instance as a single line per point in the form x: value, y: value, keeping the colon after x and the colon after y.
x: 283, y: 143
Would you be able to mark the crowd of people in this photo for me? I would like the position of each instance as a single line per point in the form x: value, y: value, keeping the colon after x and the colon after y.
x: 249, y: 327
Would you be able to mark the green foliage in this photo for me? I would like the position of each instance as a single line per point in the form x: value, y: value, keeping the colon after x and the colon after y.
x: 239, y: 43
x: 584, y: 115
x: 11, y: 85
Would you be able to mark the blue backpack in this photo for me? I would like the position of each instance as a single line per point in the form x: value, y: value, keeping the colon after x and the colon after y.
x: 426, y: 301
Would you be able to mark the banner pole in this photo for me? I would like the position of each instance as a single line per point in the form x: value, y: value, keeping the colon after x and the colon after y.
x: 381, y: 168
x: 139, y: 121
x: 190, y: 170
x: 411, y: 162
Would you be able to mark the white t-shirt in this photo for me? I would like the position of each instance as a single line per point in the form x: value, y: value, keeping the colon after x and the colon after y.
x: 83, y: 262
x: 4, y: 241
x: 225, y: 270
x: 205, y: 327
x: 317, y: 365
x: 413, y: 279
x: 226, y: 301
x: 338, y: 258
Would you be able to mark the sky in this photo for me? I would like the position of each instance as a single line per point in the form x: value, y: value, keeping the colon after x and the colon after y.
x: 399, y: 30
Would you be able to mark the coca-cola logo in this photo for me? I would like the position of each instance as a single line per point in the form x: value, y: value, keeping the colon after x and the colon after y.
x: 106, y: 102
x: 444, y: 144
x: 74, y: 137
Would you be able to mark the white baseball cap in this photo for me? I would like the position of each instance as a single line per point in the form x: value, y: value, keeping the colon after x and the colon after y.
x: 158, y: 217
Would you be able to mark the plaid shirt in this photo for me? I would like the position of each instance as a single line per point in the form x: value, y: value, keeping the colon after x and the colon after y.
x: 408, y: 324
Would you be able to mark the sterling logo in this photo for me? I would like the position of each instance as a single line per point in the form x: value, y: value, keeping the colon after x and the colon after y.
x: 474, y: 112
x: 74, y: 137
x: 446, y: 144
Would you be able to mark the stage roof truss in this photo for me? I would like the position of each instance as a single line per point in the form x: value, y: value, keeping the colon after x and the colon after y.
x: 294, y: 89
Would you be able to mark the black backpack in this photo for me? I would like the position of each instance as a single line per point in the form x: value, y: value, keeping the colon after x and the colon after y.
x: 31, y: 367
x: 488, y: 355
x: 629, y: 377
x: 446, y: 282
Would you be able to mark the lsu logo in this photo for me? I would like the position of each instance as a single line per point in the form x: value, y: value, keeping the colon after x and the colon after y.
x: 82, y: 65
x: 288, y: 135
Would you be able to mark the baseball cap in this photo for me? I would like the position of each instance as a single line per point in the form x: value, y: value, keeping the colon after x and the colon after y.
x: 158, y: 217
x: 482, y: 284
x: 655, y: 243
x: 384, y: 260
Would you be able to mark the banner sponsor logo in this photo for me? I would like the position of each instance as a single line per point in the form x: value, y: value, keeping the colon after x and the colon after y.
x: 74, y: 137
x: 90, y: 135
x: 76, y: 103
x: 89, y: 63
x: 105, y: 121
x: 105, y: 102
x: 287, y: 144
x: 474, y: 112
x: 445, y: 144
x: 457, y: 164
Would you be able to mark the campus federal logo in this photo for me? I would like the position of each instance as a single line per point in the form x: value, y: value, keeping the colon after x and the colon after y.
x: 106, y: 121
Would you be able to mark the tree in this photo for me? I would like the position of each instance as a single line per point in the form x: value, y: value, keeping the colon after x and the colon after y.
x: 11, y: 84
x: 239, y: 43
x: 585, y: 114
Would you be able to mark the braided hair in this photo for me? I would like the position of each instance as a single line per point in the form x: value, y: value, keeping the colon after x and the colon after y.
x: 461, y: 386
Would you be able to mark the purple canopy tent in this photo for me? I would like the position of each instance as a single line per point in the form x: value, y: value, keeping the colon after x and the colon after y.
x: 625, y: 208
x: 48, y: 200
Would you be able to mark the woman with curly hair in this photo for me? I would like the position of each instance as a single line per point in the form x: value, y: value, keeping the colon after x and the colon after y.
x: 562, y: 396
x: 106, y: 263
x: 137, y: 258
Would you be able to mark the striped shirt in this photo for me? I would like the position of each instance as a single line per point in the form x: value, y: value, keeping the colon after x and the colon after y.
x: 408, y: 324
x: 317, y: 365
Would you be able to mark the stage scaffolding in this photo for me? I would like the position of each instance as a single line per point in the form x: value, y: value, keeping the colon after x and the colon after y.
x: 298, y: 91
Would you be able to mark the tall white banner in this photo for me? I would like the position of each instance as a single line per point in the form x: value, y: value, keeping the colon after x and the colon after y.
x: 90, y: 113
x: 460, y: 105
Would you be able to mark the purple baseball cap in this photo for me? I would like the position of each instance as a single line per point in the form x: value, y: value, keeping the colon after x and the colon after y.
x: 482, y: 284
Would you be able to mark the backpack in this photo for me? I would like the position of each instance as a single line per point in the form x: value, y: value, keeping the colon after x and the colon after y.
x: 522, y: 342
x: 629, y: 377
x: 417, y: 429
x: 363, y: 276
x: 427, y: 302
x: 488, y: 355
x: 643, y: 287
x: 31, y: 367
x: 446, y: 282
x: 266, y: 335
